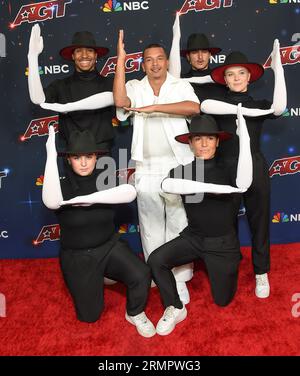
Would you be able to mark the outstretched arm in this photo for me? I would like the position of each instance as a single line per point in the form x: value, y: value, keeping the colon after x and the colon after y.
x: 36, y: 45
x: 245, y: 168
x: 119, y: 89
x: 118, y: 195
x: 93, y: 102
x: 174, y: 57
x: 184, y: 108
x: 280, y: 94
x: 51, y: 195
x: 214, y: 107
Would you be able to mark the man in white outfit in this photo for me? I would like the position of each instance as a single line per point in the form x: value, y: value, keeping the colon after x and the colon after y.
x: 160, y: 105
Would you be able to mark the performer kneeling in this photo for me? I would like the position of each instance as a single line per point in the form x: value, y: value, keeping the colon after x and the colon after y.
x: 211, y: 231
x: 90, y: 248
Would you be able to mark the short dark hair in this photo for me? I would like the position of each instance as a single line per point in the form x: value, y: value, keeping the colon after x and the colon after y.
x: 155, y: 45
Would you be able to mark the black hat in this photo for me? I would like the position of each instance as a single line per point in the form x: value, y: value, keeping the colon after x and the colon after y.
x: 82, y: 39
x: 237, y: 59
x: 199, y: 42
x: 82, y: 142
x: 203, y: 124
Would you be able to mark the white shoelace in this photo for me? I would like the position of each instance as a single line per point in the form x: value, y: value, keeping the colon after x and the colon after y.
x: 262, y: 280
x: 169, y: 313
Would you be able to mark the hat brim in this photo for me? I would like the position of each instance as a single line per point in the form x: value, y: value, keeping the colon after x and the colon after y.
x: 212, y: 50
x: 256, y: 71
x: 67, y: 52
x: 68, y: 153
x: 185, y: 138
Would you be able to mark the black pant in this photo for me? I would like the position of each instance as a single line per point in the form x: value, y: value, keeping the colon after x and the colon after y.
x: 257, y: 203
x: 84, y: 271
x: 221, y: 256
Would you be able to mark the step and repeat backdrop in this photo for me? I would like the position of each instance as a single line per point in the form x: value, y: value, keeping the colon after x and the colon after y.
x: 27, y: 228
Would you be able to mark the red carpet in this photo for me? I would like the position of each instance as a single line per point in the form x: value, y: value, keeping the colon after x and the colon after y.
x: 40, y: 319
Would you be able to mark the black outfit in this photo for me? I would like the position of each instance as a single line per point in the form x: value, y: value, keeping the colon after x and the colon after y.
x: 210, y: 236
x: 205, y: 91
x: 73, y: 88
x: 257, y: 197
x: 90, y: 250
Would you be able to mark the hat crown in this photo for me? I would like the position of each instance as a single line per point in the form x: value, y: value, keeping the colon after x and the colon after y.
x: 83, y: 38
x: 204, y: 124
x: 236, y: 57
x: 81, y: 142
x: 198, y: 41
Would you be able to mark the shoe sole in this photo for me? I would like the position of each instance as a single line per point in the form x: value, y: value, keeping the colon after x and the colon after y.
x: 142, y: 334
x: 171, y: 330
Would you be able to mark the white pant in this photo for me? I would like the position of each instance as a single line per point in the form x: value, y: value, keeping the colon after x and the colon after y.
x: 161, y: 217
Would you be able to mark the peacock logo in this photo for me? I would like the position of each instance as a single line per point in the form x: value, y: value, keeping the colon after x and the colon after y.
x: 112, y: 6
x: 280, y: 218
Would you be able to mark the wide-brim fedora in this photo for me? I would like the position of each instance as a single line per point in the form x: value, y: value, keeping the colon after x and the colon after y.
x: 199, y: 41
x: 237, y: 59
x: 82, y: 39
x: 82, y: 142
x: 203, y: 124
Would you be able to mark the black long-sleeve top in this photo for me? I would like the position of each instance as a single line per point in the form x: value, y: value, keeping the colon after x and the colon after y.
x: 84, y: 227
x: 216, y: 214
x: 76, y: 87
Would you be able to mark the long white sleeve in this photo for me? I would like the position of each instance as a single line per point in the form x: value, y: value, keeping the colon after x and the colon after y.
x: 199, y: 80
x: 93, y: 102
x: 214, y: 107
x: 280, y: 93
x: 51, y: 195
x: 184, y: 186
x: 118, y: 195
x: 36, y: 91
x: 245, y: 168
x: 174, y: 57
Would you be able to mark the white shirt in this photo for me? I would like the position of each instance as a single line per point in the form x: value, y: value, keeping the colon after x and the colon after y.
x: 141, y: 94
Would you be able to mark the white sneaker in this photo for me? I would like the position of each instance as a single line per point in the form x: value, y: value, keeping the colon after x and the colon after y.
x: 169, y: 319
x: 262, y: 289
x: 108, y: 281
x: 143, y: 325
x: 183, y: 292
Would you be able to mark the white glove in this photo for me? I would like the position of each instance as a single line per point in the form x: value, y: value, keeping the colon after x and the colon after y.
x: 51, y: 194
x: 214, y: 107
x: 36, y: 46
x: 280, y: 93
x: 184, y: 186
x: 174, y: 57
x: 93, y: 102
x: 245, y: 168
x: 199, y: 80
x: 118, y: 195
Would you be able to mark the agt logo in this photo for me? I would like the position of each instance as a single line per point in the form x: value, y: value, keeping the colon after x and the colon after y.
x: 203, y: 5
x: 291, y: 112
x: 132, y: 64
x: 284, y: 1
x: 51, y: 69
x: 3, y: 174
x: 289, y: 56
x: 41, y: 11
x: 285, y: 166
x: 40, y: 127
x: 116, y: 6
x: 284, y: 218
x: 50, y: 232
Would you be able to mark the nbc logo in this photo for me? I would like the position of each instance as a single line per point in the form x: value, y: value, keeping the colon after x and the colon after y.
x: 116, y: 6
x: 39, y: 181
x: 284, y: 1
x: 51, y: 69
x: 284, y: 218
x: 291, y: 112
x: 280, y: 218
x: 128, y: 229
